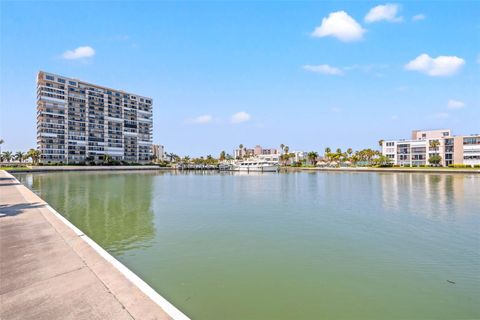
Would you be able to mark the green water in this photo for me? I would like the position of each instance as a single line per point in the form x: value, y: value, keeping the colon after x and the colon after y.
x: 287, y: 246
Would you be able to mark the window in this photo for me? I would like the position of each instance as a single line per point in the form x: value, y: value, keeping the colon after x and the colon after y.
x: 49, y: 77
x: 72, y: 83
x: 61, y: 80
x: 445, y: 134
x: 471, y: 140
x: 390, y: 144
x: 424, y: 135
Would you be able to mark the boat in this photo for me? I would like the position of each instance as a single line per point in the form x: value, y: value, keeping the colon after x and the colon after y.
x: 256, y: 165
x: 225, y: 166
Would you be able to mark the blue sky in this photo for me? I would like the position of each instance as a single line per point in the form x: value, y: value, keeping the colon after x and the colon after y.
x: 306, y: 74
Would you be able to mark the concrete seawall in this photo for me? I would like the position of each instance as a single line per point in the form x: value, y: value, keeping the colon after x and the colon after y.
x: 50, y: 270
x: 88, y: 168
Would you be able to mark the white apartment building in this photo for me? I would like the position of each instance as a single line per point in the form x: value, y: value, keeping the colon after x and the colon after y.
x: 426, y: 143
x: 78, y: 121
x: 258, y: 150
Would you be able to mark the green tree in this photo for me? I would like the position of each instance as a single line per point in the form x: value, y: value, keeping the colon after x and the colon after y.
x: 107, y: 158
x: 435, y: 160
x: 380, y: 142
x: 20, y: 156
x: 7, y: 156
x: 222, y: 156
x: 383, y: 161
x: 434, y: 144
x: 34, y: 155
x: 312, y: 157
x: 327, y: 153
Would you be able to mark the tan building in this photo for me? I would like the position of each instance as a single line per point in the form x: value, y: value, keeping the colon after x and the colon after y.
x: 80, y: 122
x: 158, y: 152
x: 427, y: 143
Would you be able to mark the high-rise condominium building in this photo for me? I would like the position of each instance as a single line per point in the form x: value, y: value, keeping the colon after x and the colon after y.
x: 427, y: 143
x: 82, y: 122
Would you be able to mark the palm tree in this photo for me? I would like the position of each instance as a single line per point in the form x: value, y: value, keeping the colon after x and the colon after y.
x: 34, y: 155
x: 7, y: 156
x: 171, y: 156
x: 19, y: 156
x: 282, y: 146
x: 434, y: 144
x: 339, y: 151
x: 222, y: 155
x: 1, y: 142
x: 107, y: 158
x: 328, y: 151
x: 312, y: 156
x: 245, y: 154
x: 380, y: 142
x: 349, y: 151
x: 286, y: 149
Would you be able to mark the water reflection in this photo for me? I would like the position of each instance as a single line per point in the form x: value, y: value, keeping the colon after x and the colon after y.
x: 432, y: 195
x: 115, y: 210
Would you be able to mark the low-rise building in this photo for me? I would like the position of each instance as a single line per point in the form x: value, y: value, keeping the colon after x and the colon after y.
x: 258, y: 150
x: 427, y: 143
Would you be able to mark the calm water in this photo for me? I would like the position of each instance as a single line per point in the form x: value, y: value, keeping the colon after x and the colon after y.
x: 287, y: 246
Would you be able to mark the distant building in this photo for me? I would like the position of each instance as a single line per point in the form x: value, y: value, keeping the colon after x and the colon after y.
x: 158, y: 152
x: 258, y: 150
x: 422, y: 145
x: 299, y: 156
x: 78, y: 121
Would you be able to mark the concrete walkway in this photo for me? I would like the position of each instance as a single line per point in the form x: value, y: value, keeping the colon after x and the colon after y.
x: 48, y: 270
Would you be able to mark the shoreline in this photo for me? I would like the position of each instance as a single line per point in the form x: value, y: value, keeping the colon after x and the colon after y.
x: 282, y: 169
x: 85, y: 168
x: 33, y: 235
x: 397, y: 170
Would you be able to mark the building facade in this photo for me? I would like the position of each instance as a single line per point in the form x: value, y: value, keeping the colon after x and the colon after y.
x: 158, y: 152
x: 453, y: 150
x: 257, y: 151
x: 80, y: 122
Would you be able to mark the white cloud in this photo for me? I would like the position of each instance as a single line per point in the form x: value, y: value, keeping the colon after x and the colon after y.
x: 324, y: 69
x: 387, y: 12
x: 79, y: 53
x: 455, y: 104
x: 241, y: 116
x: 419, y: 17
x: 203, y: 119
x: 441, y: 115
x: 341, y: 26
x: 435, y: 67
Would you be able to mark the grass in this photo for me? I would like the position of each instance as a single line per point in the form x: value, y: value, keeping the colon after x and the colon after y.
x: 15, y: 168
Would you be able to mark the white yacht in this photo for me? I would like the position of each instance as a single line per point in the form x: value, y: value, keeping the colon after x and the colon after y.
x: 256, y: 165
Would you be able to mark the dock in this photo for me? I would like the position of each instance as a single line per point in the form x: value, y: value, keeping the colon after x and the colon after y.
x: 50, y: 270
